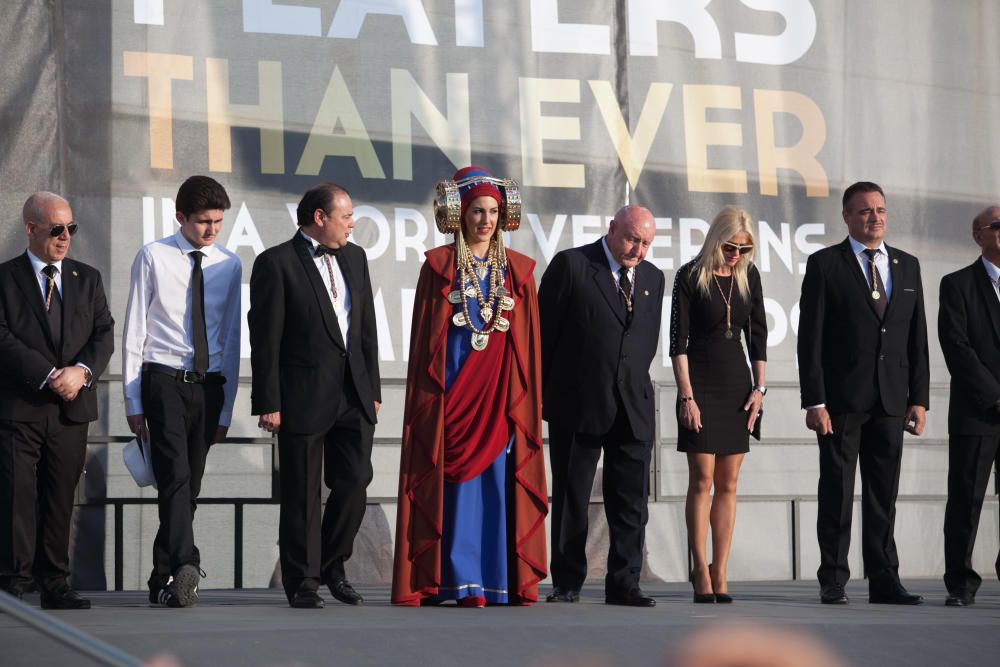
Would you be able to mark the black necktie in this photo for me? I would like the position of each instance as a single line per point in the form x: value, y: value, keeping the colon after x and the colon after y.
x: 625, y: 287
x: 199, y: 335
x: 878, y: 294
x: 53, y: 305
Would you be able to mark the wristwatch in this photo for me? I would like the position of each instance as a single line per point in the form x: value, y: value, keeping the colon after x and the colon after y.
x: 762, y: 389
x: 87, y: 375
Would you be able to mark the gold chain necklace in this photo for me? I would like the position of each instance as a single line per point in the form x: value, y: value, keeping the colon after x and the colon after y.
x: 728, y: 301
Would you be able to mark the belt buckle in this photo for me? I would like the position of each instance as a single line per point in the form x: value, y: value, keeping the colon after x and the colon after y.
x: 191, y: 377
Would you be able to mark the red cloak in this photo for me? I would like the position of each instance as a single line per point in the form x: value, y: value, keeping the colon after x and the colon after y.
x: 417, y: 563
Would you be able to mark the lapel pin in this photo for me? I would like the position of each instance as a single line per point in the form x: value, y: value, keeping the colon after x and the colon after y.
x: 75, y: 274
x: 895, y: 261
x: 645, y: 292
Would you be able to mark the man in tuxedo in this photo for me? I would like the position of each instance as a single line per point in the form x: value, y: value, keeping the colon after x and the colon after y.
x: 969, y: 332
x: 56, y: 338
x: 314, y: 355
x: 863, y: 370
x: 599, y: 307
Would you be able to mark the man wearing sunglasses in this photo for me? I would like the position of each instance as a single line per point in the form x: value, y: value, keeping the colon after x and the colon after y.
x: 56, y: 338
x: 865, y: 378
x: 968, y: 326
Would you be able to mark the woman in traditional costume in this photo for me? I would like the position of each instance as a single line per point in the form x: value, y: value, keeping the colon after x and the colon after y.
x: 472, y: 498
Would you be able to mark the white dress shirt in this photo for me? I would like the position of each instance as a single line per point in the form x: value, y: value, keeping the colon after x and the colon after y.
x: 43, y: 284
x: 158, y: 316
x: 994, y: 273
x: 342, y: 302
x: 881, y: 263
x: 42, y: 279
x: 616, y: 268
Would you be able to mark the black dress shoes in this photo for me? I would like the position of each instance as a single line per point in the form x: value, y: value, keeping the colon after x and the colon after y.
x: 343, y: 591
x: 632, y: 598
x: 960, y: 599
x: 893, y: 594
x: 559, y: 594
x: 306, y: 599
x: 64, y: 598
x: 833, y: 594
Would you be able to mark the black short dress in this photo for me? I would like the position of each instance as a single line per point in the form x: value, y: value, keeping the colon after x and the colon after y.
x: 718, y: 368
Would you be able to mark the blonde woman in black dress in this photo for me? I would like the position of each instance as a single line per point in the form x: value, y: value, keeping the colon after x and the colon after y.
x: 717, y: 296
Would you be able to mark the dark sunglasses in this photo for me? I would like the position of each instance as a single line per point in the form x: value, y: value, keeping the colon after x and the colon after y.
x: 993, y: 226
x: 732, y: 247
x: 57, y: 230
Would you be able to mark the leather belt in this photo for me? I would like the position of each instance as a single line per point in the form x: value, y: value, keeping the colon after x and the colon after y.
x: 181, y: 375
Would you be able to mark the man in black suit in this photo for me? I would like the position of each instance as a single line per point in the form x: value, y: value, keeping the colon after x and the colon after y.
x: 969, y: 331
x: 600, y: 308
x: 864, y: 375
x: 314, y: 354
x: 56, y: 338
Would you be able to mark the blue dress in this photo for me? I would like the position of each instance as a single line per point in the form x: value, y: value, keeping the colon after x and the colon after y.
x: 474, y: 525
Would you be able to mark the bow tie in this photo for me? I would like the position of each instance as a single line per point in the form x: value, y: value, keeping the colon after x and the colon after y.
x: 324, y: 250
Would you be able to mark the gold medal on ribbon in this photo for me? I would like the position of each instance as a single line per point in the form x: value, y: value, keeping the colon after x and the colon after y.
x: 729, y: 334
x: 876, y: 295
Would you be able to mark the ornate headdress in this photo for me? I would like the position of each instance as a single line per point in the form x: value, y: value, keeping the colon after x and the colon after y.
x: 468, y: 183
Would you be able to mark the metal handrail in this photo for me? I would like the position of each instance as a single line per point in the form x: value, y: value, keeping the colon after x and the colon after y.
x: 75, y: 639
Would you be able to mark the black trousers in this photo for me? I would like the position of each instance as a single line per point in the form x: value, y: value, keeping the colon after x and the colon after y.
x: 40, y: 465
x: 877, y: 439
x: 970, y: 458
x: 312, y: 548
x: 574, y: 458
x: 182, y: 419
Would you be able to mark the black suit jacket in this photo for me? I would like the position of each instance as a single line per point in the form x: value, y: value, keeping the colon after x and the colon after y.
x: 586, y: 348
x: 969, y: 331
x: 848, y: 359
x: 26, y: 348
x: 298, y: 355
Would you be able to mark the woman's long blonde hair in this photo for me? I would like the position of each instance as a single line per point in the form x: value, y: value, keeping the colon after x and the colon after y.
x: 728, y: 223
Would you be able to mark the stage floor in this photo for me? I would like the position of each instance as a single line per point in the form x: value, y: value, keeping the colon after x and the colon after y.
x: 257, y: 628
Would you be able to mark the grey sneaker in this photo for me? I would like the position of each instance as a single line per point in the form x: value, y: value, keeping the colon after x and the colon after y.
x: 183, y: 590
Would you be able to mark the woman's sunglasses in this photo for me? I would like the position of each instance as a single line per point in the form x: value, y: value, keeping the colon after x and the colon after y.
x: 732, y: 247
x: 57, y: 230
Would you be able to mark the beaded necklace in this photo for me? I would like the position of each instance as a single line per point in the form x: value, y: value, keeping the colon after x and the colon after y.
x: 494, y: 303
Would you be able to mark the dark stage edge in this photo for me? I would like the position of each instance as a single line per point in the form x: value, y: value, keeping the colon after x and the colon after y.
x: 257, y: 628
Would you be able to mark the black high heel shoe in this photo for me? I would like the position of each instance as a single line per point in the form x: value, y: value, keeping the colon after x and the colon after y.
x: 701, y: 598
x: 723, y: 598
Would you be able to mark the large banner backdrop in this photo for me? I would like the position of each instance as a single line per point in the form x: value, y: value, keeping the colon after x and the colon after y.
x: 682, y: 106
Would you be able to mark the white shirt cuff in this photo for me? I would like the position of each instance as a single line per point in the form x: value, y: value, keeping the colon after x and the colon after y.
x: 46, y: 380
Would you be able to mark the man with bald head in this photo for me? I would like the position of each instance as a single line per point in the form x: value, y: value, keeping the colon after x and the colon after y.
x: 968, y: 328
x: 56, y: 338
x: 600, y: 306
